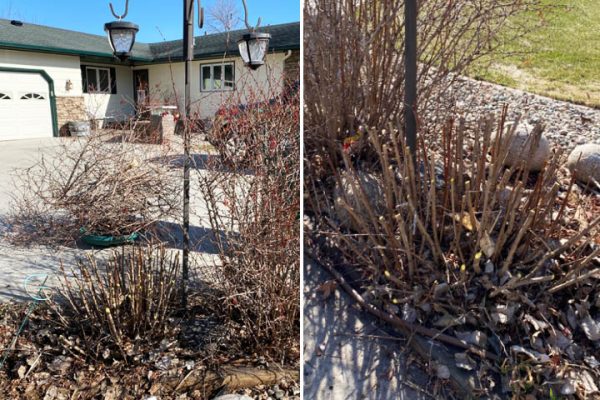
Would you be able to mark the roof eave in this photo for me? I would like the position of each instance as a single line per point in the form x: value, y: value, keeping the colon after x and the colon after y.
x: 62, y: 51
x: 145, y: 60
x: 206, y: 56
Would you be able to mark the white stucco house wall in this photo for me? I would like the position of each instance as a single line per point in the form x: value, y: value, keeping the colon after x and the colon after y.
x: 51, y: 76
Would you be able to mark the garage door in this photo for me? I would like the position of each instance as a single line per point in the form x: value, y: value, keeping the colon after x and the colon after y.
x: 25, y: 111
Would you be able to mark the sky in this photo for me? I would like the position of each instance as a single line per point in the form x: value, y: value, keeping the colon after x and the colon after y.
x: 158, y: 19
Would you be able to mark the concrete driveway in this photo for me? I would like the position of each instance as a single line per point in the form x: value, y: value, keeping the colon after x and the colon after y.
x: 16, y: 154
x: 346, y: 353
x: 17, y: 263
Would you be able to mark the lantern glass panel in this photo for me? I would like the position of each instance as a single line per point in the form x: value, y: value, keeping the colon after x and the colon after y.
x: 122, y: 40
x: 258, y: 48
x: 243, y: 47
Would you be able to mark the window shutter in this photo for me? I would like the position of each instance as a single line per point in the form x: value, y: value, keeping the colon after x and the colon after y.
x: 113, y: 81
x: 84, y: 79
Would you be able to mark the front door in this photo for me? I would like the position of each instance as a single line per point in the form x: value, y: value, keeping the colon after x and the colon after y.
x: 140, y: 86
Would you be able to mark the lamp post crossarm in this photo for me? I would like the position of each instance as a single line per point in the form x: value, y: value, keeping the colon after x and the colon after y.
x: 200, y: 15
x: 250, y: 28
x: 120, y: 17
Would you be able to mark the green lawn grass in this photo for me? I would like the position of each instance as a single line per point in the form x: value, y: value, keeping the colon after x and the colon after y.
x: 560, y: 58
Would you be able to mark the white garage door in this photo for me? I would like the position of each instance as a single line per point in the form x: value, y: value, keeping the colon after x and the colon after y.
x: 25, y: 111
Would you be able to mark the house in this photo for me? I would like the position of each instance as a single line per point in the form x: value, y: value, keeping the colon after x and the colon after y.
x: 50, y: 76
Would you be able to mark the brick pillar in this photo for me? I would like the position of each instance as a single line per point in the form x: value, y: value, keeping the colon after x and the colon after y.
x: 69, y: 109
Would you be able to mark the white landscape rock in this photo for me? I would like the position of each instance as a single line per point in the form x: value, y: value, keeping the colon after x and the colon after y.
x: 348, y: 193
x: 519, y: 149
x: 584, y: 163
x: 591, y: 328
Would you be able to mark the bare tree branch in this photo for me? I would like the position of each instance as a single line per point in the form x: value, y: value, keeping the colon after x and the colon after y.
x: 223, y: 16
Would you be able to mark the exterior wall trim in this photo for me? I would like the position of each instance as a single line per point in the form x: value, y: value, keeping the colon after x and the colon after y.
x: 53, y: 50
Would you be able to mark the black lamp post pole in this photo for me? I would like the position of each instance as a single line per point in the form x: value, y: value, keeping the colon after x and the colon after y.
x: 410, y: 76
x: 188, y: 55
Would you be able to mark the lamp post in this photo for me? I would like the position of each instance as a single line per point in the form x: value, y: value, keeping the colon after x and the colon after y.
x: 410, y: 76
x: 253, y: 47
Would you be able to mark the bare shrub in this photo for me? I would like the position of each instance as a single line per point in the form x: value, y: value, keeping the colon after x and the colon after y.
x: 101, y: 184
x: 126, y: 300
x: 462, y: 243
x: 253, y: 207
x: 354, y: 59
x: 240, y: 121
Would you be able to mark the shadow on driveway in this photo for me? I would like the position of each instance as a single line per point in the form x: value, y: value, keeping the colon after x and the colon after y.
x: 346, y: 354
x: 202, y: 240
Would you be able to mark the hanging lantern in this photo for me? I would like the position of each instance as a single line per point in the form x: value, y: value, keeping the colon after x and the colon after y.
x: 253, y: 47
x: 121, y: 35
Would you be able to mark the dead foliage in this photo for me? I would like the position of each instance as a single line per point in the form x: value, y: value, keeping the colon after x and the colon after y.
x: 93, y: 185
x: 253, y: 207
x: 47, y: 363
x: 456, y: 246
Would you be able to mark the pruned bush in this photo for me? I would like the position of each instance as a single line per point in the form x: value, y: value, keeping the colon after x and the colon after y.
x: 94, y: 185
x: 253, y: 208
x: 121, y: 302
x: 455, y: 240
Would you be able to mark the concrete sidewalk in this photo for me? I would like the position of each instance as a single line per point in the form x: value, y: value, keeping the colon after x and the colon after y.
x: 345, y: 356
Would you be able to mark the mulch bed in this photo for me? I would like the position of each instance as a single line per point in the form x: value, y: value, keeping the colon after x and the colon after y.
x: 200, y: 361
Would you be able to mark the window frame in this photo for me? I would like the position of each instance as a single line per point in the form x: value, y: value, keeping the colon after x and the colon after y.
x: 212, y: 75
x: 97, y: 73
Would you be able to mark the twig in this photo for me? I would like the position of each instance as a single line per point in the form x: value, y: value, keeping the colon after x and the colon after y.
x: 405, y: 327
x: 35, y: 363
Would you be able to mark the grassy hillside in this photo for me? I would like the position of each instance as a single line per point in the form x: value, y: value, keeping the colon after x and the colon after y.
x: 560, y: 58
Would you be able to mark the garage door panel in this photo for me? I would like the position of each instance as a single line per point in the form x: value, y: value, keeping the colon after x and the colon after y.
x: 25, y: 111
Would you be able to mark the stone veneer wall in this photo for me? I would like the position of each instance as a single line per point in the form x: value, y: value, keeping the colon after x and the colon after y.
x: 69, y: 109
x: 291, y: 68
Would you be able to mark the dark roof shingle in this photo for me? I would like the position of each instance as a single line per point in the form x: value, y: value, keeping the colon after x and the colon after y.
x: 283, y: 37
x: 43, y: 38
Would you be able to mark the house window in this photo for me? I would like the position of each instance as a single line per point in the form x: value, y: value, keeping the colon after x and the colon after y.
x: 32, y: 96
x: 98, y: 79
x: 4, y: 96
x: 214, y: 77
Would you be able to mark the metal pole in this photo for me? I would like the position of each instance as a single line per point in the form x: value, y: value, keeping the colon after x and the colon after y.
x: 188, y: 55
x: 410, y: 76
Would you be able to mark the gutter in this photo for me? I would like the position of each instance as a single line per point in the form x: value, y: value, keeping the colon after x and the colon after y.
x: 56, y: 50
x: 212, y: 55
x: 132, y: 59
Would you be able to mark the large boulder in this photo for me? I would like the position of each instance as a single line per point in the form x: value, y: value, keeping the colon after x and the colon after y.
x: 345, y: 193
x: 584, y: 163
x: 519, y: 149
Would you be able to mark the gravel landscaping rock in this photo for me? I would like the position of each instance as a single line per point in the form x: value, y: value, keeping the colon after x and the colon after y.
x: 567, y: 124
x: 584, y: 162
